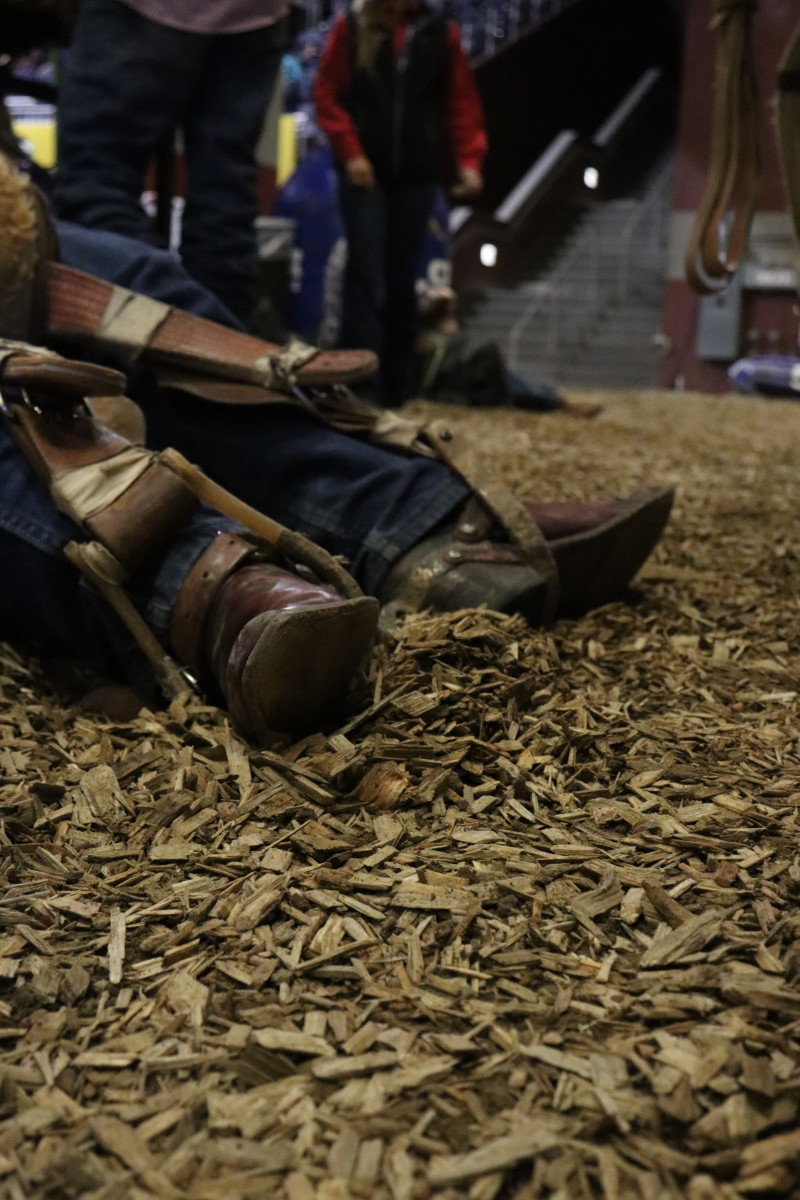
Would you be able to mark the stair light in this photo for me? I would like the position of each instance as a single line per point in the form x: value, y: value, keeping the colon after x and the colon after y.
x: 489, y: 254
x: 591, y: 177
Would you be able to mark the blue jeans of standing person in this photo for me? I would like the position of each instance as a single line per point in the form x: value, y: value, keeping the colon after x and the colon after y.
x: 385, y: 228
x: 360, y: 501
x: 128, y: 83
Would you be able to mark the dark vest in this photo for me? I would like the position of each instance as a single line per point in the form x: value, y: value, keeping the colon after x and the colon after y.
x: 399, y: 107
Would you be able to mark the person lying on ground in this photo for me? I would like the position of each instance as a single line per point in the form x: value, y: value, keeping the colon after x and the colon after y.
x: 451, y: 370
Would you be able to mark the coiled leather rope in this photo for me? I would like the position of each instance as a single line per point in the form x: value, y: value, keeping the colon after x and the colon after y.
x: 722, y: 224
x: 789, y: 125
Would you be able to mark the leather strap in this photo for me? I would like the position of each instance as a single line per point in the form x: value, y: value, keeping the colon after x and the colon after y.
x: 131, y: 320
x: 122, y: 495
x: 104, y: 573
x: 86, y: 308
x: 37, y: 368
x: 289, y: 546
x: 722, y: 223
x: 219, y: 560
x: 509, y: 512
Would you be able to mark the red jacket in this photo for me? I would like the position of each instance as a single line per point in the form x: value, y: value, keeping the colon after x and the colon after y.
x: 463, y: 117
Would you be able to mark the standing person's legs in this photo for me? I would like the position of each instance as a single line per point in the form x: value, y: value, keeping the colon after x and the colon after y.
x: 409, y: 207
x: 221, y: 132
x: 125, y: 88
x: 364, y: 292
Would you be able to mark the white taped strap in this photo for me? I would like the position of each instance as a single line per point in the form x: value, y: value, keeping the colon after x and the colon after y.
x: 280, y: 368
x: 265, y: 371
x: 131, y: 320
x: 295, y: 353
x: 83, y: 492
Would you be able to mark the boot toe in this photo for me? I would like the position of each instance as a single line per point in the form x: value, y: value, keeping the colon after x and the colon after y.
x: 596, y: 567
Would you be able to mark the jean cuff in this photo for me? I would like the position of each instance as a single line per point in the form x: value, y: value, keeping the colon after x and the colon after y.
x: 381, y: 553
x: 159, y: 592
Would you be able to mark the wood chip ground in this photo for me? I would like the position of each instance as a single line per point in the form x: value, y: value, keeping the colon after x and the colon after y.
x: 524, y: 926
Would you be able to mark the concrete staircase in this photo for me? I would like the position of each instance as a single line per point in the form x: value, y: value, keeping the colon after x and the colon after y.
x: 591, y: 314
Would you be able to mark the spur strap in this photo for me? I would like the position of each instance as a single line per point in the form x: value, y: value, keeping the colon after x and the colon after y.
x: 722, y: 224
x: 34, y: 367
x: 81, y: 306
x: 509, y: 512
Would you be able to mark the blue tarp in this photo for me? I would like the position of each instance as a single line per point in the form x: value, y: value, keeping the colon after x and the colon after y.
x: 767, y: 375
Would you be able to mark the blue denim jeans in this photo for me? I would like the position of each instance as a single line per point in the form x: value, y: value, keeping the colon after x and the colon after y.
x: 385, y: 228
x: 127, y: 84
x: 363, y: 502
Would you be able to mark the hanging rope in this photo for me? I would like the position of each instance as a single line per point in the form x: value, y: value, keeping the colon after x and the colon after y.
x: 722, y: 224
x: 789, y: 125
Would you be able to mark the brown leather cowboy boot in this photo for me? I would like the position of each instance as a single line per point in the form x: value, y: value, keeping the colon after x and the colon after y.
x: 597, y: 548
x: 279, y: 650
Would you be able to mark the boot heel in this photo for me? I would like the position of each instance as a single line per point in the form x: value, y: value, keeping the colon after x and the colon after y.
x: 292, y: 670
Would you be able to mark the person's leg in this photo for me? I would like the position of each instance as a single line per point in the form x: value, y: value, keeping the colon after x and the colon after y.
x: 279, y: 651
x: 360, y: 501
x: 364, y: 290
x: 373, y: 505
x: 124, y: 89
x: 49, y: 606
x: 409, y: 208
x: 533, y: 396
x: 364, y: 502
x: 221, y: 131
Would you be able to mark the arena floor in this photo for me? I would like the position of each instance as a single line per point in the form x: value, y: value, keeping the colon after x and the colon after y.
x: 525, y: 926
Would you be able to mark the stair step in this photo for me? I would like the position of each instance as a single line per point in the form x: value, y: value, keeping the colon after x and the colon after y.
x: 590, y: 315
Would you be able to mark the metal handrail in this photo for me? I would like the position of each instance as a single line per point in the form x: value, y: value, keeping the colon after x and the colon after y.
x: 547, y: 162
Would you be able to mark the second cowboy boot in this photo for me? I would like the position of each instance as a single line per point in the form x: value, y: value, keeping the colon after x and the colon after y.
x: 597, y: 547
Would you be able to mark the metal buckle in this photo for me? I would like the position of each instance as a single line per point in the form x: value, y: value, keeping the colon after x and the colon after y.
x: 7, y: 407
x: 26, y: 400
x: 77, y: 411
x: 191, y: 680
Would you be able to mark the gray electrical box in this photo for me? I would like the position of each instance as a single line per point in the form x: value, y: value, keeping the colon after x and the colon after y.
x: 719, y: 326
